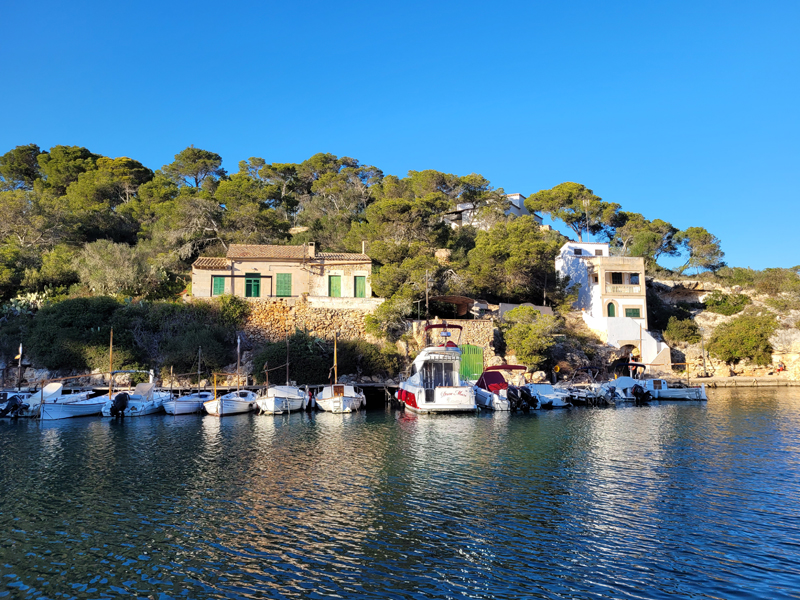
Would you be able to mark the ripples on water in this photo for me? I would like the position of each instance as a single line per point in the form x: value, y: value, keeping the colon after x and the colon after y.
x: 678, y: 500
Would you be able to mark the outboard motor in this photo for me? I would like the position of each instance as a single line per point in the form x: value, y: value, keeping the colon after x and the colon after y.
x: 640, y: 395
x: 119, y: 404
x: 514, y: 397
x: 13, y: 407
x: 529, y: 401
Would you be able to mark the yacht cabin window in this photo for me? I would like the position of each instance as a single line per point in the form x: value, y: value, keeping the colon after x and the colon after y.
x: 435, y: 374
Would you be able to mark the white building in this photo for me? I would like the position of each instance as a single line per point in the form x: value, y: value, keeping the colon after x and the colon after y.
x: 464, y: 214
x: 612, y: 296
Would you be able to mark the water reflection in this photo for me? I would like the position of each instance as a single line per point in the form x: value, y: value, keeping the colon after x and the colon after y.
x: 662, y: 501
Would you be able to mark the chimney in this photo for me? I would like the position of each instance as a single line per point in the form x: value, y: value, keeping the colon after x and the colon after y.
x: 363, y: 247
x: 312, y: 252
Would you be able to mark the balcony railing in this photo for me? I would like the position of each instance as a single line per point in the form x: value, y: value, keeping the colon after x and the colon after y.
x: 623, y: 289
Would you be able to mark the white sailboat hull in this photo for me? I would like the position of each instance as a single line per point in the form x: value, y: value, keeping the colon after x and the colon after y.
x: 281, y: 399
x: 187, y: 405
x: 340, y: 398
x: 234, y: 403
x: 53, y: 411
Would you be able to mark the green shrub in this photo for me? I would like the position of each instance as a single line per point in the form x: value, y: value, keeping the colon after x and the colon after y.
x: 745, y: 337
x: 784, y: 303
x: 726, y: 304
x: 311, y: 359
x: 529, y: 334
x: 681, y: 330
x: 233, y: 310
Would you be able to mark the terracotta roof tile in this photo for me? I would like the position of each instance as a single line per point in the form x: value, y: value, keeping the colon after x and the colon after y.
x: 254, y: 251
x: 211, y: 263
x: 342, y: 256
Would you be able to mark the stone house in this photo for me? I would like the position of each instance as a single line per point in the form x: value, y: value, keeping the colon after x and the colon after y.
x: 252, y: 271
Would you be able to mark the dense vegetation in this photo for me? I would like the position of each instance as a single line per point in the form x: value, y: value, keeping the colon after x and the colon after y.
x: 744, y: 338
x: 78, y: 225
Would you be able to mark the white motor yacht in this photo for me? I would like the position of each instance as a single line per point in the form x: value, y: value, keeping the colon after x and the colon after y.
x: 494, y: 392
x: 434, y: 384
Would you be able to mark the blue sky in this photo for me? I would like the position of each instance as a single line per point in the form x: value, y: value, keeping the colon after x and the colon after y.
x: 684, y: 111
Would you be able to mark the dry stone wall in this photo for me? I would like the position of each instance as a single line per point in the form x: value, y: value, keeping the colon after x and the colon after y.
x: 271, y: 320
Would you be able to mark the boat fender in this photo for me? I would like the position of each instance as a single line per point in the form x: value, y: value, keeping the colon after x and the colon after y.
x: 119, y: 404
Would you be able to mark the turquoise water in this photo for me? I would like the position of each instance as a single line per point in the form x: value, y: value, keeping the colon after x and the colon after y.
x: 668, y: 501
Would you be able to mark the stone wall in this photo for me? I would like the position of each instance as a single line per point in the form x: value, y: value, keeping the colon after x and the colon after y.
x: 477, y: 332
x: 271, y: 320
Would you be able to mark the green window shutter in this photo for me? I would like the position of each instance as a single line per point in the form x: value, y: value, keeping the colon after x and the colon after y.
x: 284, y: 285
x: 217, y: 286
x: 611, y: 312
x: 252, y: 285
x: 361, y: 286
x: 335, y: 286
x: 634, y: 313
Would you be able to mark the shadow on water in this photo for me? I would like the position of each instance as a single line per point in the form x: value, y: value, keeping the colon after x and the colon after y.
x: 671, y: 500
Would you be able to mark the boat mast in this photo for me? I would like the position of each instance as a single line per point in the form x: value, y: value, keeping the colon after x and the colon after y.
x: 335, y: 360
x: 238, y: 354
x: 287, y: 360
x: 199, y: 354
x: 111, y: 363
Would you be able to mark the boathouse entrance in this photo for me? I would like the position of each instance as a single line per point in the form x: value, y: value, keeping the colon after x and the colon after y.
x: 471, y: 362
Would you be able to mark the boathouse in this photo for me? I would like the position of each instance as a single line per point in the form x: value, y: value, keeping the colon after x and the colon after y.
x: 261, y: 271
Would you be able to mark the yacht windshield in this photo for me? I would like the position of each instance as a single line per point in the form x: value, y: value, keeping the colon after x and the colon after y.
x: 435, y: 374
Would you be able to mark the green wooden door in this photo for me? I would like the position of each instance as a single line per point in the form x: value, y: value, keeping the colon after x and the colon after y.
x: 611, y: 311
x: 471, y: 362
x: 217, y: 285
x: 252, y: 285
x: 361, y: 286
x: 335, y: 286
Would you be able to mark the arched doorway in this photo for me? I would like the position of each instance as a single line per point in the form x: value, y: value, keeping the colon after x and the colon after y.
x: 612, y: 312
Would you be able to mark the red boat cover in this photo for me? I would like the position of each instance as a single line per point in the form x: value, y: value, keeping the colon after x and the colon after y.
x: 492, y: 381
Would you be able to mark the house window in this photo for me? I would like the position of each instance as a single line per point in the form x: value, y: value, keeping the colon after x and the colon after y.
x: 596, y: 278
x: 578, y: 252
x: 217, y: 285
x: 611, y: 310
x: 284, y: 285
x: 361, y: 286
x: 598, y: 253
x: 252, y: 285
x: 634, y: 279
x: 335, y: 286
x: 616, y: 278
x: 634, y: 313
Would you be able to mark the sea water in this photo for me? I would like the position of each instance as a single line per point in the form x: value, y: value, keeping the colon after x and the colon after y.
x: 678, y: 500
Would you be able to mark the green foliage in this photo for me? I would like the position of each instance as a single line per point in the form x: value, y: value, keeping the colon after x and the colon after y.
x: 649, y: 239
x: 529, y: 334
x: 784, y: 303
x: 57, y: 270
x: 777, y: 281
x: 514, y: 261
x: 195, y: 166
x: 388, y: 320
x: 703, y: 249
x: 62, y: 165
x: 681, y: 330
x: 744, y: 338
x: 233, y: 310
x: 575, y: 205
x: 311, y: 360
x: 110, y: 268
x: 726, y: 304
x: 19, y: 168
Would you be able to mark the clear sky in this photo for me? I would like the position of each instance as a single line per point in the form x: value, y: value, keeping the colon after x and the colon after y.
x: 684, y: 110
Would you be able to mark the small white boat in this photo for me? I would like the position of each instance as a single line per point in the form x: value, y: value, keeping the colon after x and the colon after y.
x: 549, y: 396
x: 629, y: 389
x: 340, y: 398
x: 144, y: 400
x: 185, y: 405
x: 64, y: 406
x: 278, y: 399
x: 238, y: 402
x: 493, y: 392
x: 435, y: 385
